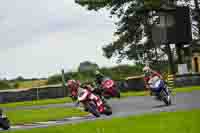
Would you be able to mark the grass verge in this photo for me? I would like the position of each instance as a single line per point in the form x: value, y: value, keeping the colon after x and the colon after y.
x: 38, y: 115
x: 187, y: 89
x: 37, y: 102
x: 68, y: 100
x: 170, y: 122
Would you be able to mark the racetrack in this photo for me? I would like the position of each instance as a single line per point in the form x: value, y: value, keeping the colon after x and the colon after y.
x: 125, y: 107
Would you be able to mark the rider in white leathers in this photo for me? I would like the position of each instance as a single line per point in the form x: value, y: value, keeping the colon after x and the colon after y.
x: 76, y: 91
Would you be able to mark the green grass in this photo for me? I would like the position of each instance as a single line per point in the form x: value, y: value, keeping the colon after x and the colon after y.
x: 67, y: 100
x: 38, y: 115
x: 29, y: 84
x: 187, y: 89
x: 134, y: 93
x: 170, y: 122
x: 36, y: 102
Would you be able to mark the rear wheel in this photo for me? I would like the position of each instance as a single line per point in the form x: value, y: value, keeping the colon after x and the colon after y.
x: 108, y: 109
x: 5, y: 123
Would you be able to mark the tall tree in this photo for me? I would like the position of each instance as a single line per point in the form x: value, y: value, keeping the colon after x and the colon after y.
x: 134, y: 23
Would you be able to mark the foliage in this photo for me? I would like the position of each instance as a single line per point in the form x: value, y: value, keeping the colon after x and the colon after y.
x: 87, y: 66
x: 117, y: 73
x: 133, y: 24
x: 19, y: 78
x: 16, y: 85
x: 4, y: 84
x: 55, y: 79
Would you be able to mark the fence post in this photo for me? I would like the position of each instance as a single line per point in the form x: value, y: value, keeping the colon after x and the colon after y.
x: 37, y: 91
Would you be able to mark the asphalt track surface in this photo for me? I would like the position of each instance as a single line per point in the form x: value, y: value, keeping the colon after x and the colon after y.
x: 122, y: 108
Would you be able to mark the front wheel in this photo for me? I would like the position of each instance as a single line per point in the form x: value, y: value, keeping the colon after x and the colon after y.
x: 118, y: 93
x: 107, y: 109
x: 166, y: 96
x: 167, y: 100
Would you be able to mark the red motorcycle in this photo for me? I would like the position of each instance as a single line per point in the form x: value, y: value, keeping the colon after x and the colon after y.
x: 93, y: 103
x: 109, y: 88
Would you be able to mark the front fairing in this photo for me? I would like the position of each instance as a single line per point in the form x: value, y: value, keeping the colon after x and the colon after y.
x: 83, y: 95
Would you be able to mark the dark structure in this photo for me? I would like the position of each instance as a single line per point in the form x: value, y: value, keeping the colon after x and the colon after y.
x: 196, y: 56
x: 180, y: 33
x: 187, y: 80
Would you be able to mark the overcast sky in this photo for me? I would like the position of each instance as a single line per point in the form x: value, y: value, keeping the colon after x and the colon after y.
x: 40, y: 37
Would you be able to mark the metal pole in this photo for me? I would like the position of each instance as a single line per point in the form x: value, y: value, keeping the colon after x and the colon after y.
x: 37, y: 91
x: 65, y: 91
x: 170, y: 59
x: 179, y: 52
x: 171, y: 73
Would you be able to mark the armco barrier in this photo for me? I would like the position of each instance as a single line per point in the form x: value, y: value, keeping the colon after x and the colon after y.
x: 16, y: 95
x: 187, y: 80
x: 135, y: 83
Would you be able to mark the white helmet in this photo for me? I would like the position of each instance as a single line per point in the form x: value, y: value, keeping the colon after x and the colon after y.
x: 97, y: 72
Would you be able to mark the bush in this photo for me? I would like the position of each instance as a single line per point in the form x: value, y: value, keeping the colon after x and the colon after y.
x: 116, y: 73
x: 55, y: 79
x: 16, y: 85
x: 4, y: 85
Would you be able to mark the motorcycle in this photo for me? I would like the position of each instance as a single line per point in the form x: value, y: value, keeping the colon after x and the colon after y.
x: 4, y: 121
x: 163, y: 92
x: 91, y: 105
x: 109, y: 88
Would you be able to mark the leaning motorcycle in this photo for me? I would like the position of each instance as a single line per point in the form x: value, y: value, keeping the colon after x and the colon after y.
x: 4, y: 121
x: 91, y: 105
x: 162, y: 93
x: 109, y: 88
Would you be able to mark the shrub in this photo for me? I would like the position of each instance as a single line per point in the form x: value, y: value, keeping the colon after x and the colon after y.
x: 116, y: 73
x: 4, y: 85
x: 16, y: 85
x: 55, y: 79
